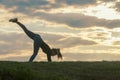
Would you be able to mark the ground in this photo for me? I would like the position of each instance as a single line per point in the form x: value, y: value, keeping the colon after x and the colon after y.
x: 59, y: 70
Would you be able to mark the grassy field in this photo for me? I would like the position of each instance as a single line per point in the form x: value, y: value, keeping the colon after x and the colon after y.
x: 60, y: 71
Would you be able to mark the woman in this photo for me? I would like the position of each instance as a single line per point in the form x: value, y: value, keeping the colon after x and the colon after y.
x: 38, y: 42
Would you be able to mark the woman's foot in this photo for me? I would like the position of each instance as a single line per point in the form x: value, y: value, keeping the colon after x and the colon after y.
x: 13, y: 20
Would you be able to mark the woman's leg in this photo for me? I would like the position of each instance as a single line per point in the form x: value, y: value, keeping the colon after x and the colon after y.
x: 28, y: 32
x: 36, y: 49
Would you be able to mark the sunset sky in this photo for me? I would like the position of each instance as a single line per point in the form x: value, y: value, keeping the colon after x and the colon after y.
x: 85, y: 30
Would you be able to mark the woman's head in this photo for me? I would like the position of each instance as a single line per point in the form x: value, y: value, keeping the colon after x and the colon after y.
x: 56, y: 51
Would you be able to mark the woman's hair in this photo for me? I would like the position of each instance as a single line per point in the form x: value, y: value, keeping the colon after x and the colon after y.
x: 56, y: 51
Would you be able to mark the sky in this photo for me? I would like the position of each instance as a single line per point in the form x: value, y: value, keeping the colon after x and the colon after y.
x: 84, y: 30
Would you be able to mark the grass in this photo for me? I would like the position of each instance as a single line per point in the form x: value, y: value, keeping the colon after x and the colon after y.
x: 59, y: 70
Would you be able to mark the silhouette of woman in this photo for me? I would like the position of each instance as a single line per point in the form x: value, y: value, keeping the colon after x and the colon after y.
x: 38, y: 42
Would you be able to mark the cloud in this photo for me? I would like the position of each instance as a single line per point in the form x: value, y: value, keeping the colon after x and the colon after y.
x: 115, y: 34
x: 22, y: 5
x: 17, y: 46
x: 107, y: 0
x: 64, y: 41
x: 75, y: 41
x: 17, y: 42
x: 91, y: 57
x: 13, y: 43
x: 77, y: 20
x: 69, y: 57
x: 117, y: 6
x: 74, y: 20
x: 77, y: 2
x: 44, y: 4
x: 116, y: 43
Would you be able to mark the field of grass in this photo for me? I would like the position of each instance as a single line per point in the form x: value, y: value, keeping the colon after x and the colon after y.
x: 59, y: 70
